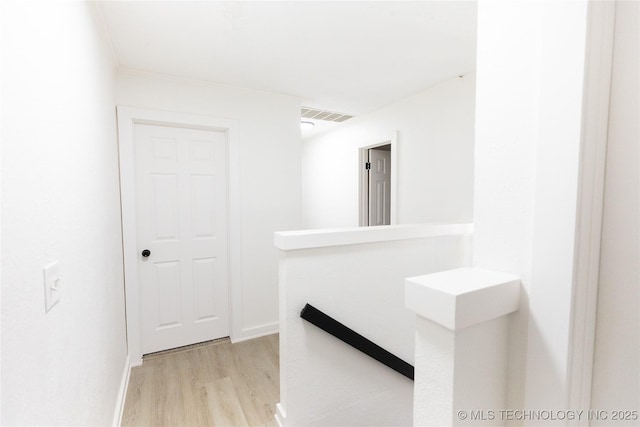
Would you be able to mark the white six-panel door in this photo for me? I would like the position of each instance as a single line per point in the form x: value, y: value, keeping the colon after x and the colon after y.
x: 181, y: 209
x: 380, y: 187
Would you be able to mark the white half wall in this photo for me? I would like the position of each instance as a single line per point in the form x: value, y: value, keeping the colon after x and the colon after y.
x: 435, y: 159
x: 616, y: 376
x: 269, y: 163
x: 60, y: 202
x: 357, y: 279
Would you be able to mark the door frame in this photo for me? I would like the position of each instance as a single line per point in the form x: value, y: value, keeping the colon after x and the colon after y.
x: 127, y: 118
x: 363, y: 187
x: 591, y: 184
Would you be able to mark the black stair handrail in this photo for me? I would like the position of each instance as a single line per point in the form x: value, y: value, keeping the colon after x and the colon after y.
x: 355, y: 340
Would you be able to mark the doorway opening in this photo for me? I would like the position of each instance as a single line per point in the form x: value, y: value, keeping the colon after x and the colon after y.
x: 378, y: 171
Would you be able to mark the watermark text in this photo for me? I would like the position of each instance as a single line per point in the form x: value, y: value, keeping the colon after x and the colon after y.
x: 547, y: 415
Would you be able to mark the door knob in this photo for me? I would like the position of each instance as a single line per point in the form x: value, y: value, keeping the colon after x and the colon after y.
x: 146, y: 253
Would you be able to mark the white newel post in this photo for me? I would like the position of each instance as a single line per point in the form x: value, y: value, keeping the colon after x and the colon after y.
x: 461, y: 345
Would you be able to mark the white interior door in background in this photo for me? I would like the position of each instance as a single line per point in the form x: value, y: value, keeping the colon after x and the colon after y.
x: 181, y: 193
x: 379, y: 186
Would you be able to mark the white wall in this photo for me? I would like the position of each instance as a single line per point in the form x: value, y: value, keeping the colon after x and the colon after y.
x: 616, y: 366
x: 506, y: 136
x: 435, y: 159
x: 270, y: 191
x: 60, y: 201
x: 530, y: 76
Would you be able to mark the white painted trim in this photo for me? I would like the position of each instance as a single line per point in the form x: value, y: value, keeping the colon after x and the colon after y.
x: 127, y: 118
x: 257, y: 332
x: 122, y: 394
x: 281, y: 415
x: 305, y: 239
x: 364, y: 179
x: 363, y: 188
x: 394, y: 178
x: 597, y: 84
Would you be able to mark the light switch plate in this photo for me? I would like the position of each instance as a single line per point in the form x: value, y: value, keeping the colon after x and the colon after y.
x: 51, y: 274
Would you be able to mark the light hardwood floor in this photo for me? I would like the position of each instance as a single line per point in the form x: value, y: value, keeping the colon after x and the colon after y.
x: 209, y: 384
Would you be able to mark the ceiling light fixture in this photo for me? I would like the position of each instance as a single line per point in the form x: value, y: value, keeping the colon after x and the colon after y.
x: 306, y: 125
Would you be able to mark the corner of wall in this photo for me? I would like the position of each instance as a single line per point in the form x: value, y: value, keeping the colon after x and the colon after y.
x: 122, y: 394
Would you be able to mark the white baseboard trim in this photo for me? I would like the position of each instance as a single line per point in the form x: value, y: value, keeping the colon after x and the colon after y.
x: 134, y: 363
x: 122, y: 393
x: 257, y: 332
x: 280, y: 415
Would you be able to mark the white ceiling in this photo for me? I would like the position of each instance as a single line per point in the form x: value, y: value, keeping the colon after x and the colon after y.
x: 345, y: 56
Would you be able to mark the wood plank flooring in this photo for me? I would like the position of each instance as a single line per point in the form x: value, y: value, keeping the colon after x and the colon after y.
x: 209, y: 384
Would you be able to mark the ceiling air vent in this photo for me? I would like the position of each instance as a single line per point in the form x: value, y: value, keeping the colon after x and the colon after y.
x: 329, y: 116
